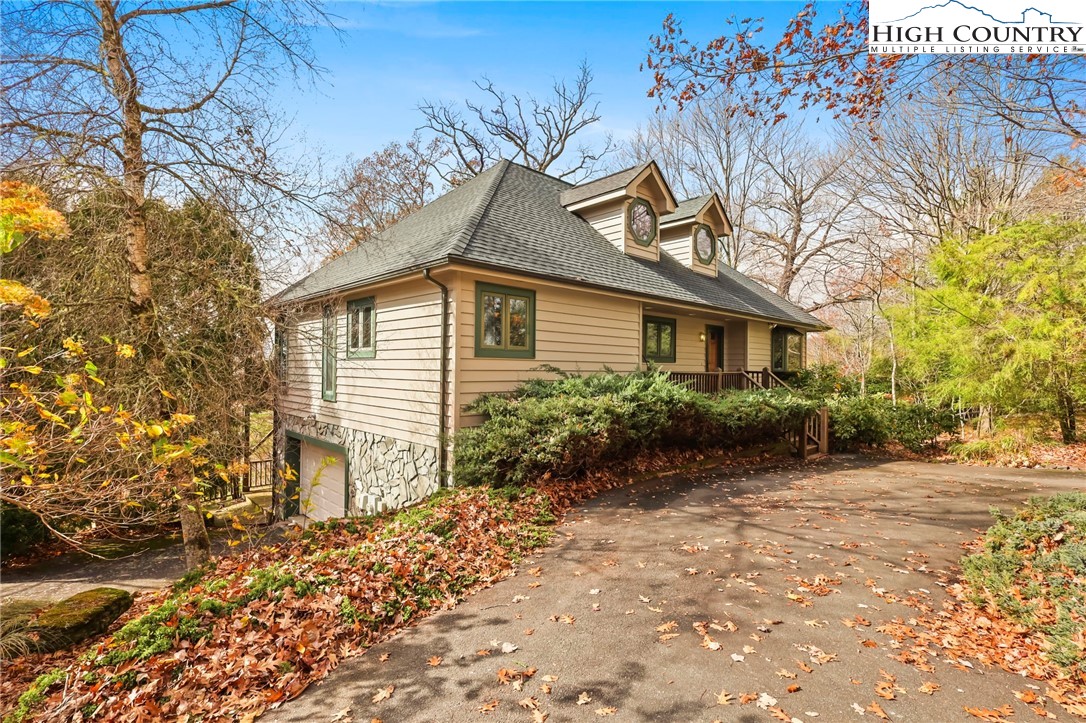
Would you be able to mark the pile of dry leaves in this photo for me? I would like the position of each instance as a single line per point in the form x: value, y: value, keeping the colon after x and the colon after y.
x: 261, y: 626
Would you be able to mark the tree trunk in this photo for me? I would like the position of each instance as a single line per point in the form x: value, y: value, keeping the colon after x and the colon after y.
x: 985, y: 421
x: 193, y: 529
x: 1065, y: 405
x: 141, y: 303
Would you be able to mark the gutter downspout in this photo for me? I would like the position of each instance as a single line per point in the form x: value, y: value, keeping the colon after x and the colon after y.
x: 442, y: 452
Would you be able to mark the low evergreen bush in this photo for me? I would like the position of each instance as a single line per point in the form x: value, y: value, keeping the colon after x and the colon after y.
x: 575, y: 424
x: 872, y: 420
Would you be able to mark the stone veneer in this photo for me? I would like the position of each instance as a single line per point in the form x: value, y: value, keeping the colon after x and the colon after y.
x: 386, y: 473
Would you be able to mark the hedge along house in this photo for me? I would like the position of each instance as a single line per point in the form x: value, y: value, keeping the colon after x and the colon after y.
x: 383, y: 348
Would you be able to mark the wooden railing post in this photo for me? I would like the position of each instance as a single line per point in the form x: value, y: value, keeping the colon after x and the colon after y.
x: 824, y: 430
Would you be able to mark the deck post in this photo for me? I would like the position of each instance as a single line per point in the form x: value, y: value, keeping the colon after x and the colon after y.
x: 824, y: 430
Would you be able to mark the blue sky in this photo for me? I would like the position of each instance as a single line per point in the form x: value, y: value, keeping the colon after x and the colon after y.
x: 392, y: 55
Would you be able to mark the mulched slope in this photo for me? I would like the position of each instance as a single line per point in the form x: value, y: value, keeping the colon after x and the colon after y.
x: 263, y: 625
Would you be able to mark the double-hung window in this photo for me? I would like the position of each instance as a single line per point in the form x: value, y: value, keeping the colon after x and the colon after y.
x: 504, y: 322
x: 328, y: 354
x: 659, y: 340
x: 361, y: 329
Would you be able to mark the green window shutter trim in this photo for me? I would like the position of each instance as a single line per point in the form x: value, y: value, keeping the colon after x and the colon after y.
x: 503, y: 351
x: 659, y: 322
x: 362, y: 306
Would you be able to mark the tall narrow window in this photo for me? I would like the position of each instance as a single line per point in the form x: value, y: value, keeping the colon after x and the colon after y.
x: 328, y: 355
x: 362, y: 329
x: 659, y: 340
x: 787, y: 350
x: 282, y: 352
x: 504, y: 322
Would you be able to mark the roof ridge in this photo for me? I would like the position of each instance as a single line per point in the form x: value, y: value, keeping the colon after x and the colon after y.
x: 467, y: 234
x: 614, y: 173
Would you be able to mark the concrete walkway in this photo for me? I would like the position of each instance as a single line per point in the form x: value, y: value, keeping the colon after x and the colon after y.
x: 609, y: 615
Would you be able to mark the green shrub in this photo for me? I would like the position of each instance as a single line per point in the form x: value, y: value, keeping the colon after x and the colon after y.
x: 573, y: 424
x: 859, y: 420
x: 1032, y: 568
x: 917, y: 426
x: 20, y: 530
x: 873, y: 420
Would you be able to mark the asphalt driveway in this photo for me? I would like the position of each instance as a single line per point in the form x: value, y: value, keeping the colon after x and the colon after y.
x: 657, y: 598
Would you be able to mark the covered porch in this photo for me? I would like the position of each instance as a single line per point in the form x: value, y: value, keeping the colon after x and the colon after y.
x: 712, y: 353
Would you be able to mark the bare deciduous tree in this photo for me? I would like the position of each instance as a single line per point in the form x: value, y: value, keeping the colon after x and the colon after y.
x: 380, y: 189
x: 156, y: 98
x: 538, y: 133
x: 707, y: 148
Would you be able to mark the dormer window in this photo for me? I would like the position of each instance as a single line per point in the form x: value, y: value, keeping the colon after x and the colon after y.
x: 642, y: 222
x: 704, y: 243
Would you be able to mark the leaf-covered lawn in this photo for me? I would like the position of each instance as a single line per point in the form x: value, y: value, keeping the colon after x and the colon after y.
x: 261, y: 626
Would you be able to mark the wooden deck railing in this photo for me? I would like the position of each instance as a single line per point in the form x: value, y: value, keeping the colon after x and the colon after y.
x: 814, y: 436
x: 258, y: 478
x: 716, y: 382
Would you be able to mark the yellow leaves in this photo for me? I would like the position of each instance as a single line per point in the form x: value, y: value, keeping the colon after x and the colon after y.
x: 182, y: 419
x: 73, y: 347
x: 25, y: 211
x: 125, y: 351
x: 12, y: 293
x: 32, y: 369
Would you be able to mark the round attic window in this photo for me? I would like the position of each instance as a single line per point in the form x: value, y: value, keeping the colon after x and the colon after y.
x: 642, y: 222
x: 704, y: 243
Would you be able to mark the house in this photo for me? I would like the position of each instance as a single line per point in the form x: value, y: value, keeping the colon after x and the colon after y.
x: 383, y: 348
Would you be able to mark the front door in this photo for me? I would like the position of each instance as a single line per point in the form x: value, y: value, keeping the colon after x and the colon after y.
x: 714, y: 348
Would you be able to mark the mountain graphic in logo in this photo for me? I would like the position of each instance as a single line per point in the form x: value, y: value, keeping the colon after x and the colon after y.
x: 956, y: 12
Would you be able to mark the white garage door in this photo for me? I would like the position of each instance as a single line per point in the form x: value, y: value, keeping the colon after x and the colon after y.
x: 323, y: 477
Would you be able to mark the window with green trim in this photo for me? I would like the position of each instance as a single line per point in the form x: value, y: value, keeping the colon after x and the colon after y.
x: 787, y: 349
x: 659, y: 340
x: 282, y: 352
x: 362, y: 328
x: 504, y: 322
x: 328, y: 354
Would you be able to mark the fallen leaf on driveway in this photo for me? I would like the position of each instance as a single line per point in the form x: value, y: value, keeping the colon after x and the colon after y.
x: 488, y: 706
x: 606, y: 711
x: 993, y: 715
x: 434, y: 661
x: 343, y: 715
x: 724, y: 698
x: 929, y: 687
x: 877, y: 710
x: 584, y: 698
x: 383, y: 694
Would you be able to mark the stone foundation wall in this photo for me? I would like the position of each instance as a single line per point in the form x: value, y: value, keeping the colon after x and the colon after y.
x: 385, y: 473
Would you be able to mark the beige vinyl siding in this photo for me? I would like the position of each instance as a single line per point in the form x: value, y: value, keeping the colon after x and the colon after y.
x: 650, y: 252
x: 575, y: 331
x: 395, y: 393
x: 758, y: 345
x: 609, y: 220
x: 690, y: 349
x: 676, y: 243
x: 735, y: 345
x: 706, y: 269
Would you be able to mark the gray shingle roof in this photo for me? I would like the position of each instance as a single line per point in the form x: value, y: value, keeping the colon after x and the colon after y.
x: 607, y: 184
x: 686, y: 209
x: 512, y: 218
